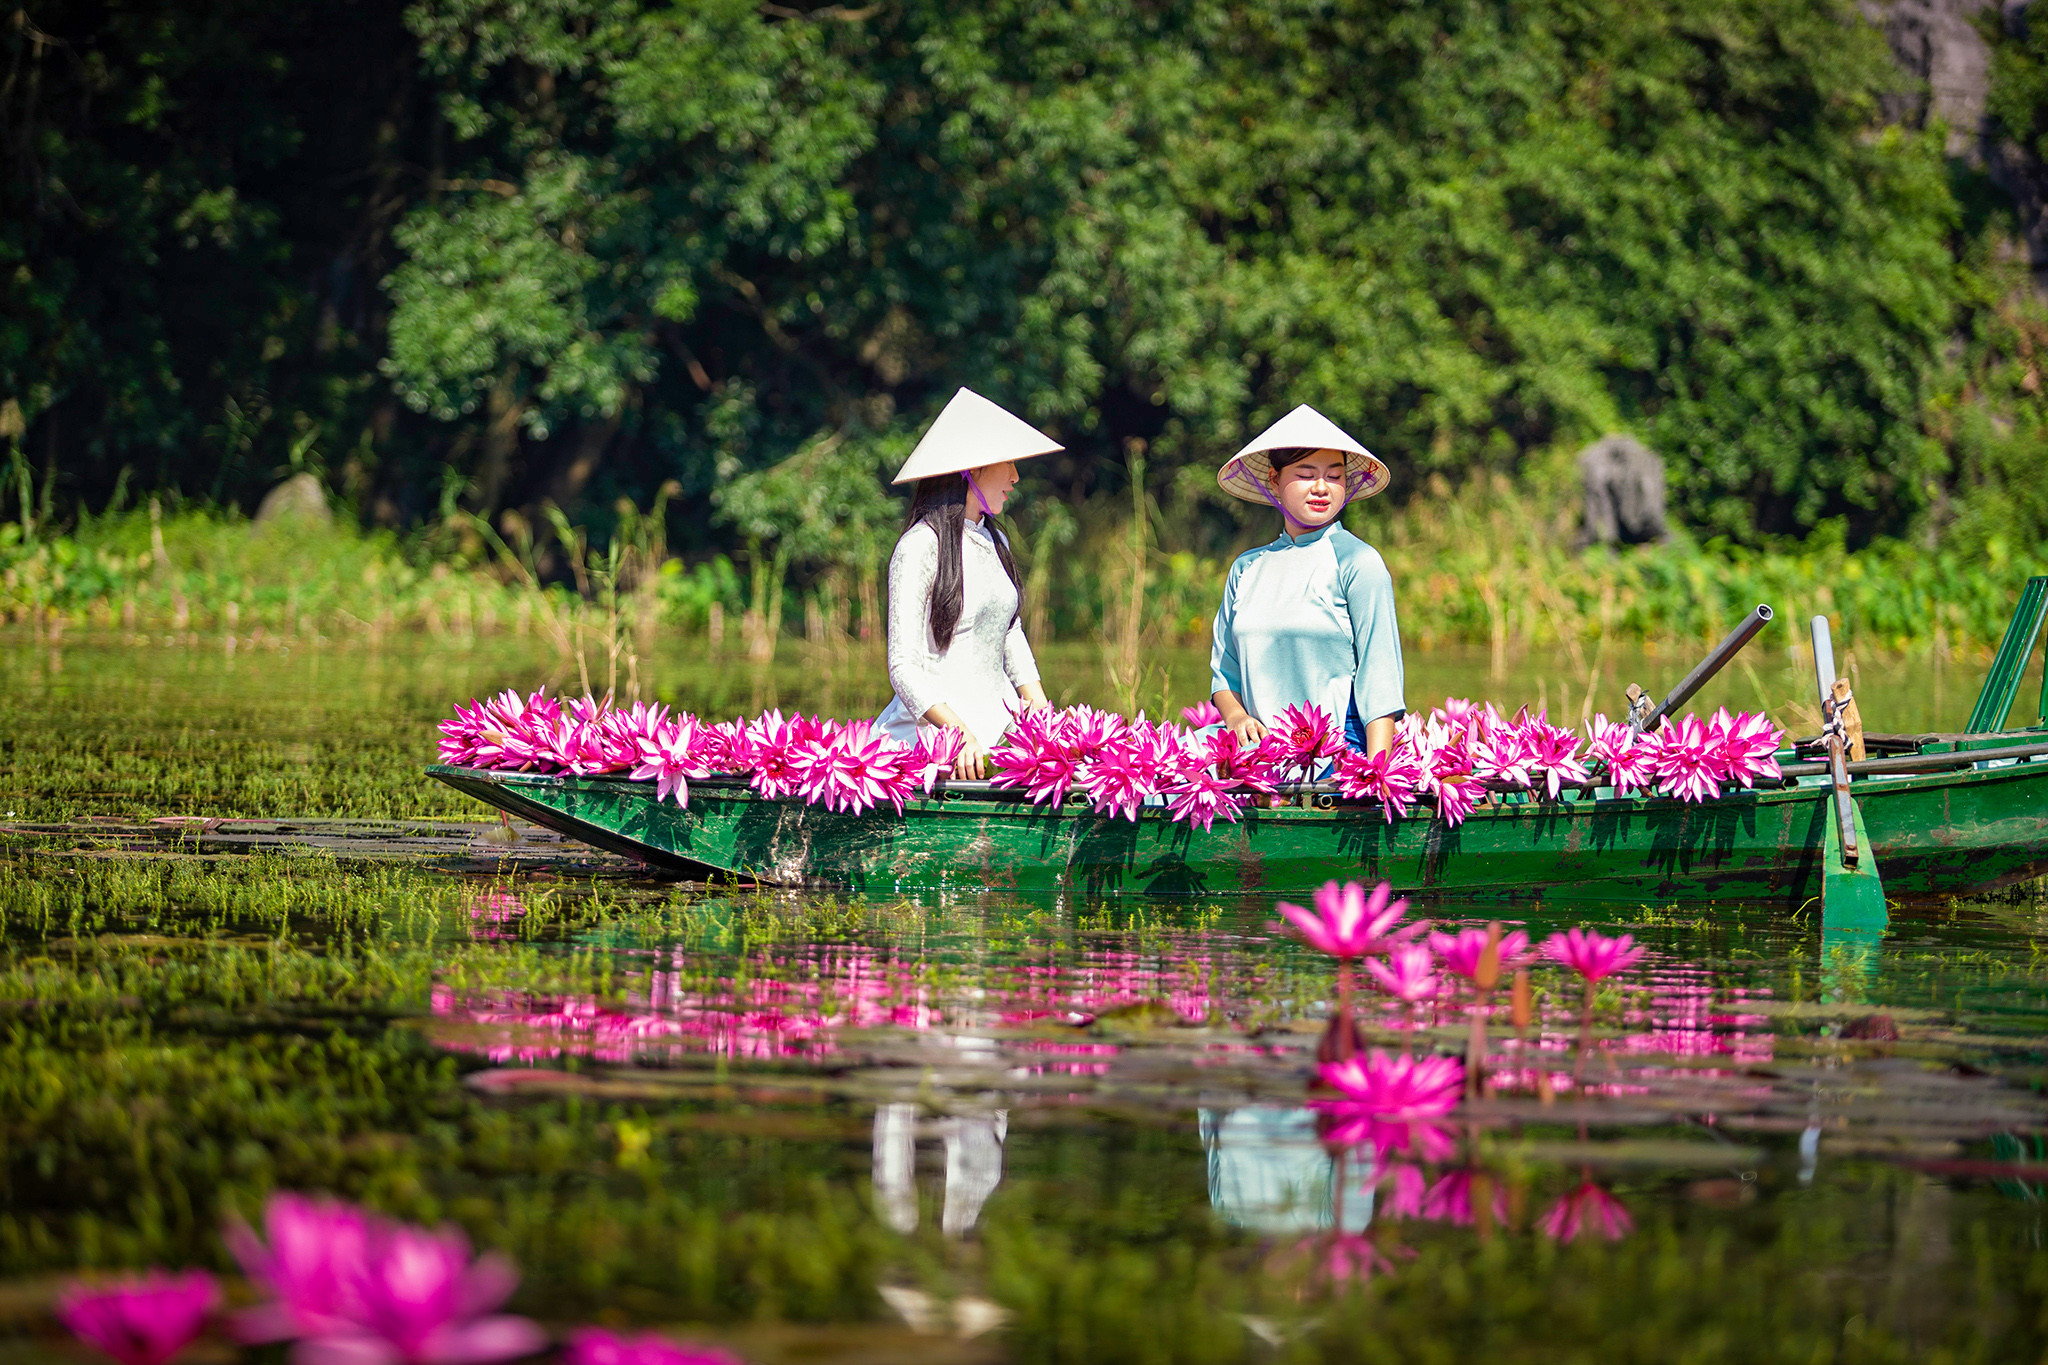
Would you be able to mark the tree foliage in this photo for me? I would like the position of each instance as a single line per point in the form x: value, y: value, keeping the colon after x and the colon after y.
x: 628, y: 243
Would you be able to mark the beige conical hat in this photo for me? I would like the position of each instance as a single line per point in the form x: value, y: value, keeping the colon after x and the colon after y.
x: 970, y: 433
x: 1245, y: 474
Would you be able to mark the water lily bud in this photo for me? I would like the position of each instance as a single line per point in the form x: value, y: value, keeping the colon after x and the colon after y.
x: 1486, y: 975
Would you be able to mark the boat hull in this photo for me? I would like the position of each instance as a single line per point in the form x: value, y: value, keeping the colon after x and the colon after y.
x: 1953, y: 833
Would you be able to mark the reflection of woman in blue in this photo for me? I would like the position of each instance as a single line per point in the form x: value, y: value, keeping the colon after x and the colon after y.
x: 1268, y: 1172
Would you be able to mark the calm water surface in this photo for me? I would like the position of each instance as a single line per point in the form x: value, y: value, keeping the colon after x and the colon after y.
x: 964, y: 1128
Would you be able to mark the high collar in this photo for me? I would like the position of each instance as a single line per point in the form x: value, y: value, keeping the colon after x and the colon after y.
x: 1283, y: 540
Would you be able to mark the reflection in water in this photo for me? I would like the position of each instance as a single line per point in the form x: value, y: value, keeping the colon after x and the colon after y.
x: 974, y: 1166
x: 896, y: 1165
x: 1269, y: 1172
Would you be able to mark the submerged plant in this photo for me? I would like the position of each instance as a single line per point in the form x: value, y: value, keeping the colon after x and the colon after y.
x: 140, y: 1321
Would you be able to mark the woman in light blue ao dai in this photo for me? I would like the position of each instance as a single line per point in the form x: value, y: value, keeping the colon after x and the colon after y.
x: 1309, y: 616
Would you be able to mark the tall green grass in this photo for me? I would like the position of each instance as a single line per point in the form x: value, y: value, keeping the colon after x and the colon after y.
x: 1491, y: 563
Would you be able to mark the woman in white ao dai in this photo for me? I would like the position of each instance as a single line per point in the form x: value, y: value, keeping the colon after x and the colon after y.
x: 958, y: 658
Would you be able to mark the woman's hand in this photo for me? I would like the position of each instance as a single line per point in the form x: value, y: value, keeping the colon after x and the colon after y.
x: 1239, y: 721
x: 1032, y: 698
x: 972, y: 764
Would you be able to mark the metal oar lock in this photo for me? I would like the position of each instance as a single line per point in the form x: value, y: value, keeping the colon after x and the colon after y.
x: 1852, y: 893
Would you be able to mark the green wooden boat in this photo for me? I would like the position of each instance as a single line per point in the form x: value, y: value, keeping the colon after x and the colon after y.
x: 1946, y: 815
x: 1948, y: 833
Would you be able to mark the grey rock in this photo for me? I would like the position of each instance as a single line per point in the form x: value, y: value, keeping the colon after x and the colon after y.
x: 1624, y: 486
x: 299, y: 498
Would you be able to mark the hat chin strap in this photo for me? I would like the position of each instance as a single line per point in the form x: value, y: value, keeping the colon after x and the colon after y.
x: 1285, y: 515
x: 986, y: 510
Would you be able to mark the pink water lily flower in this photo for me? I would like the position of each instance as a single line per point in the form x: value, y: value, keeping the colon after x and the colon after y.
x: 769, y: 747
x: 1201, y: 800
x: 853, y: 768
x: 1450, y: 1199
x: 419, y: 1299
x: 353, y: 1289
x: 1037, y: 757
x: 1254, y: 769
x: 1591, y: 953
x: 1554, y: 754
x: 1457, y: 796
x: 594, y: 1346
x: 1397, y: 1087
x: 1402, y: 1189
x: 1748, y: 745
x: 1630, y: 758
x: 1350, y: 1257
x: 1348, y: 923
x: 933, y: 756
x: 668, y: 755
x: 1688, y: 761
x: 1460, y: 952
x: 1408, y: 974
x: 1586, y: 1209
x: 1390, y: 778
x: 1306, y: 735
x: 315, y: 1251
x: 140, y: 1321
x: 1201, y: 714
x: 1118, y: 780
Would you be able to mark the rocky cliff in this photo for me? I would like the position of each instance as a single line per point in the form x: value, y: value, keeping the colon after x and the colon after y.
x: 1939, y: 44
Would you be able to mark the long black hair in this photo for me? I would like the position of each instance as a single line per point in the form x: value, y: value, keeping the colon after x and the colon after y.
x: 941, y: 502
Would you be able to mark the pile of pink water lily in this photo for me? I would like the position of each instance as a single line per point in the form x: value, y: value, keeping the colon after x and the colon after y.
x: 348, y: 1288
x: 1198, y: 771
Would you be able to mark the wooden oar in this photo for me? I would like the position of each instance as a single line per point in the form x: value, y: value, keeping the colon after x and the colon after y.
x: 1852, y: 893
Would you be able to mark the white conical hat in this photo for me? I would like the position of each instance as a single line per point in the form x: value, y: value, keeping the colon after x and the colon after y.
x: 970, y: 433
x: 1245, y: 474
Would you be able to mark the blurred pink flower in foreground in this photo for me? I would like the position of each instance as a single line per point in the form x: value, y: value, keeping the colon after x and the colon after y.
x: 142, y: 1321
x: 594, y: 1346
x: 1586, y: 1209
x: 1591, y: 953
x: 316, y: 1248
x: 357, y: 1290
x: 1201, y: 714
x: 1406, y: 1087
x: 1349, y: 923
x: 423, y: 1301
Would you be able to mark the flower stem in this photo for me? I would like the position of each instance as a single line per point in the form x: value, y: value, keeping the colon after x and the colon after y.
x: 1585, y: 1035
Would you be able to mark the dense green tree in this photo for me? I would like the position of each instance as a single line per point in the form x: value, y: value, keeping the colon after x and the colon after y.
x: 1466, y: 230
x: 624, y: 243
x: 195, y: 203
